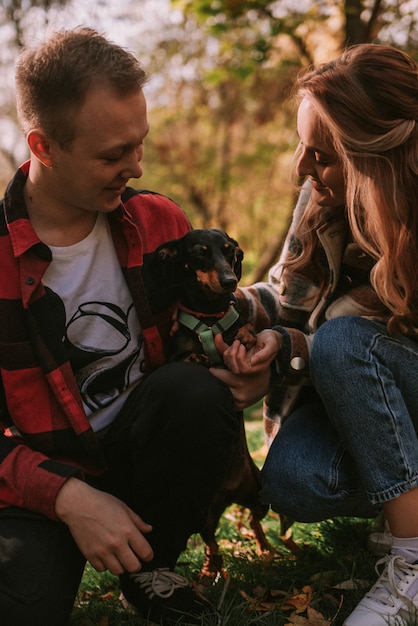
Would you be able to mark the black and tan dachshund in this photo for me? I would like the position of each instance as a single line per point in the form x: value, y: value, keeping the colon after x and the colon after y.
x: 203, y: 269
x: 206, y: 266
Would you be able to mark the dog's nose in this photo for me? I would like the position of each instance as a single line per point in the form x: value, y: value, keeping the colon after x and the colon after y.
x: 228, y: 283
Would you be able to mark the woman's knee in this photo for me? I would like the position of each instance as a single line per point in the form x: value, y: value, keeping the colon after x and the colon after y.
x: 308, y: 474
x: 286, y: 491
x: 307, y: 497
x: 294, y: 491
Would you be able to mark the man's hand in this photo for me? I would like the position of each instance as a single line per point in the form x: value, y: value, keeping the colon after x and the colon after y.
x: 106, y: 530
x: 248, y: 373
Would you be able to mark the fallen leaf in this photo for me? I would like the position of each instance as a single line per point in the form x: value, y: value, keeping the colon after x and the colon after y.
x: 352, y: 583
x: 264, y: 603
x: 299, y: 601
x: 107, y: 596
x: 324, y: 578
x: 278, y: 592
x: 313, y: 619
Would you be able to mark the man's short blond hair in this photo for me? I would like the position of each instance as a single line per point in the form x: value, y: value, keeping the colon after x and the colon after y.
x: 53, y: 79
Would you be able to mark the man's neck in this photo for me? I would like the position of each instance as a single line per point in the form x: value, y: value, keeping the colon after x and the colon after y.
x: 52, y: 223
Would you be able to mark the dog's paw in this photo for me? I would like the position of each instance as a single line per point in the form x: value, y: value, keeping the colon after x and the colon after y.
x: 247, y: 335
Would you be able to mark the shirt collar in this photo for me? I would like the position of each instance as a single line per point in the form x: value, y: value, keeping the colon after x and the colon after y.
x: 21, y: 232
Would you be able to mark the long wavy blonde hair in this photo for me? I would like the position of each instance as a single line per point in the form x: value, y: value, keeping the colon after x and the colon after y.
x: 367, y: 102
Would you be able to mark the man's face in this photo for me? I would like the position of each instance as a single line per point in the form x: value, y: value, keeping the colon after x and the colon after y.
x: 107, y: 150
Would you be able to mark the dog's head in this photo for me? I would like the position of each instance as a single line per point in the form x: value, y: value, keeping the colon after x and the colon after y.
x: 204, y: 261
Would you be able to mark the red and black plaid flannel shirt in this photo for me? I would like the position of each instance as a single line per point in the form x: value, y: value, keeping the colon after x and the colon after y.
x: 45, y: 436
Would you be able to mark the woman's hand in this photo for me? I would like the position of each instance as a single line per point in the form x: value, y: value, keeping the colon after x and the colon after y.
x: 248, y: 373
x: 239, y: 361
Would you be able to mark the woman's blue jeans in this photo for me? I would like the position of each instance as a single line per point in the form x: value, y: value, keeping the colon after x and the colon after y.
x: 351, y: 443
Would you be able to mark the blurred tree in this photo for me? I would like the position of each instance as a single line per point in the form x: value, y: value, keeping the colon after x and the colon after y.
x: 240, y: 124
x: 221, y: 73
x: 15, y: 18
x: 228, y: 136
x: 358, y: 21
x: 15, y: 14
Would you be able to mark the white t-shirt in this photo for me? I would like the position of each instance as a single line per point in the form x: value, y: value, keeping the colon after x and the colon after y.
x: 100, y: 327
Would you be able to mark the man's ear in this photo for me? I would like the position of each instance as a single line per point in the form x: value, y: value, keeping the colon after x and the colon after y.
x: 40, y: 146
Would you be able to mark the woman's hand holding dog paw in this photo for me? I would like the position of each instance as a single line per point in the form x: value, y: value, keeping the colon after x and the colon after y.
x: 240, y: 361
x: 248, y: 373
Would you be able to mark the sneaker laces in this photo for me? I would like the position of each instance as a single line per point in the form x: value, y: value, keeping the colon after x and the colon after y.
x: 396, y: 571
x: 160, y: 582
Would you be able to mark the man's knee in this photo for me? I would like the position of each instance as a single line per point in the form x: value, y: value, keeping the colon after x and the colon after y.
x: 18, y: 614
x: 40, y: 575
x: 191, y: 393
x: 188, y: 380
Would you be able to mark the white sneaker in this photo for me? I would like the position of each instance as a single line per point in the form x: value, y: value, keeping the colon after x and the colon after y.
x: 393, y: 599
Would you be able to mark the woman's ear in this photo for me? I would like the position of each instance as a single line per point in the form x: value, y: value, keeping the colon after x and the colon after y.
x: 40, y: 146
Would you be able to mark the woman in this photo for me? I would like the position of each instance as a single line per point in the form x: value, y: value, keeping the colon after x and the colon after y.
x: 340, y: 363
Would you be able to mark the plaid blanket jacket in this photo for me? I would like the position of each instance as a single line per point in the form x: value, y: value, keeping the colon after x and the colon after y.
x: 45, y: 436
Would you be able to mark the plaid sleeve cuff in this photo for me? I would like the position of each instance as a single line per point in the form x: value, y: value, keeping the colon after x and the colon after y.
x: 292, y: 362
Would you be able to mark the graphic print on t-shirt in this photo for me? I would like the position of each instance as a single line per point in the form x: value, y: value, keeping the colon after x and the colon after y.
x: 97, y: 322
x: 103, y: 347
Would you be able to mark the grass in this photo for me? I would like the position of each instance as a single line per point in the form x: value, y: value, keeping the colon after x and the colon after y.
x: 324, y: 575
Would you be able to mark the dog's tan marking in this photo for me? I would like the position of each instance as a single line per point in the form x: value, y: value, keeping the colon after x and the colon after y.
x: 210, y: 280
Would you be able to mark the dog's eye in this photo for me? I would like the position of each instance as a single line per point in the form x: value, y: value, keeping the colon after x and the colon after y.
x: 229, y: 252
x: 199, y: 250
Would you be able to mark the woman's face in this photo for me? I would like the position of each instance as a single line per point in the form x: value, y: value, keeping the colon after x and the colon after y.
x: 318, y: 159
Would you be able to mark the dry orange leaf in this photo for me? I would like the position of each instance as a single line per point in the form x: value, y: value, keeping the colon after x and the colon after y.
x: 314, y: 618
x: 263, y: 602
x: 107, y: 596
x: 299, y: 601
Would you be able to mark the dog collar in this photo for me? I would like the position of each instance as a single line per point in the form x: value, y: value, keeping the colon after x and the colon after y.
x: 206, y: 333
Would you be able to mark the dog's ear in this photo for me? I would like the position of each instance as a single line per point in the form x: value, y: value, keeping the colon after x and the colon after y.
x: 160, y: 271
x: 168, y: 258
x: 239, y: 256
x: 161, y: 266
x: 168, y: 251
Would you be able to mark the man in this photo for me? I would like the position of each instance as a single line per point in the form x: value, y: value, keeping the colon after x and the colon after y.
x: 104, y: 448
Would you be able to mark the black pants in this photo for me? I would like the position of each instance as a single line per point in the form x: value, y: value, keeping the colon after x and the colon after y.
x: 167, y: 452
